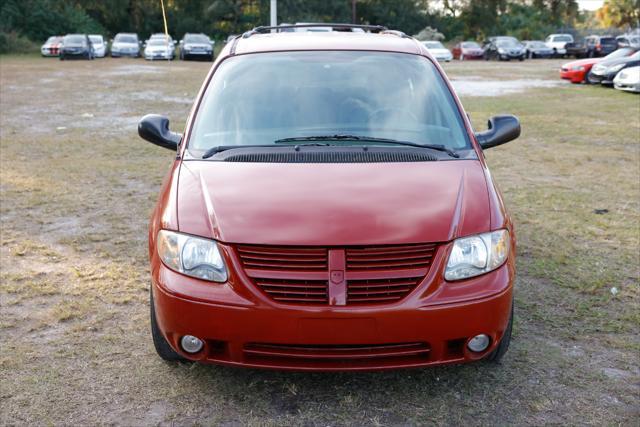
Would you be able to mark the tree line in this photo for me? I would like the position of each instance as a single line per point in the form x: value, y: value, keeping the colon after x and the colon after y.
x: 455, y: 19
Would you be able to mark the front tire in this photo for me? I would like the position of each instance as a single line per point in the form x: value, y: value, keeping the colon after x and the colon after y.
x: 496, y: 355
x: 161, y: 345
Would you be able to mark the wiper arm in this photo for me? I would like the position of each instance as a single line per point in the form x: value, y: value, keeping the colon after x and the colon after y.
x: 219, y: 148
x: 340, y: 137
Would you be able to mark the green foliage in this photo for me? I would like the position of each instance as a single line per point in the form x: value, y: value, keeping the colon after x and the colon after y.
x: 15, y: 43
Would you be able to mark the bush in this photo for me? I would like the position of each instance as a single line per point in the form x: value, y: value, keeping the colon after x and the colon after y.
x: 14, y: 43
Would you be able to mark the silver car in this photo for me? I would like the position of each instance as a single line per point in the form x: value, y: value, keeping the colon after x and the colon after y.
x: 125, y: 44
x: 196, y: 46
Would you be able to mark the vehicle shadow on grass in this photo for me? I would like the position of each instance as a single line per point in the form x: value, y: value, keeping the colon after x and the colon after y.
x: 386, y: 397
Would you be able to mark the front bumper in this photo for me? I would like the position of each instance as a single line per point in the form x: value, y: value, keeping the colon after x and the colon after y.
x: 241, y: 327
x: 605, y: 79
x: 573, y: 76
x: 118, y: 53
x: 629, y: 87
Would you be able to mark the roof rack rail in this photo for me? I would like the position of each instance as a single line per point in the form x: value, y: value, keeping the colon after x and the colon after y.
x: 279, y: 28
x: 396, y: 33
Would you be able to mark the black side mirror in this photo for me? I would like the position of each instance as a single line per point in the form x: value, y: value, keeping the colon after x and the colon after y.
x: 155, y: 129
x: 502, y: 129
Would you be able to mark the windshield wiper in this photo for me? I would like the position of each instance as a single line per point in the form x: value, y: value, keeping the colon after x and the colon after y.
x: 340, y: 137
x: 219, y: 148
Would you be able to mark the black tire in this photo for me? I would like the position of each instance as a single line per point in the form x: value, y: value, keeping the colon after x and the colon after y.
x: 163, y: 348
x: 496, y: 355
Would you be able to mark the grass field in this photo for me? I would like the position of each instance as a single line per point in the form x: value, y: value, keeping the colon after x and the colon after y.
x: 77, y: 186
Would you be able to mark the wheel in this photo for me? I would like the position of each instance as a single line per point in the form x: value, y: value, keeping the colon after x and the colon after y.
x: 163, y: 348
x: 521, y: 58
x: 496, y: 355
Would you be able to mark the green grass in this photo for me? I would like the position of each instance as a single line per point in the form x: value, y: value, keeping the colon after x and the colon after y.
x: 75, y: 346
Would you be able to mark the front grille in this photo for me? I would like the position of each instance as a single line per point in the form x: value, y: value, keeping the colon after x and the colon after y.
x: 295, y: 291
x: 389, y: 257
x: 379, y: 290
x: 283, y: 258
x: 354, y: 355
x: 358, y: 274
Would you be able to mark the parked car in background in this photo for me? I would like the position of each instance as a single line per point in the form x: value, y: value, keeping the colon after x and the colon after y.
x: 99, y: 45
x: 592, y: 47
x: 161, y: 36
x: 628, y: 80
x: 557, y: 42
x: 537, y: 49
x: 52, y: 46
x: 438, y: 51
x: 605, y: 71
x: 76, y: 46
x: 504, y: 48
x: 359, y: 127
x: 467, y: 50
x: 577, y: 71
x: 125, y: 44
x: 159, y: 49
x: 629, y: 40
x: 196, y: 46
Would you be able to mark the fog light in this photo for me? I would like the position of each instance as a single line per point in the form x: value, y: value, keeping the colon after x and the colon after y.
x: 478, y: 343
x: 191, y: 344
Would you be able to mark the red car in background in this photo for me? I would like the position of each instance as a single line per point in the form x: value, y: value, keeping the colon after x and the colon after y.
x: 467, y: 50
x: 577, y: 71
x: 52, y: 46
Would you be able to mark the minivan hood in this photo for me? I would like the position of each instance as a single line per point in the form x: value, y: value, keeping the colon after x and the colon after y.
x: 332, y: 204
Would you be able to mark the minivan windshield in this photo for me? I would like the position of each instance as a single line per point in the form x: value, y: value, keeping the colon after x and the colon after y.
x: 259, y: 98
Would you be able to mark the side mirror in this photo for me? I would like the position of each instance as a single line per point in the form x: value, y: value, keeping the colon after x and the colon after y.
x: 155, y: 129
x: 502, y: 129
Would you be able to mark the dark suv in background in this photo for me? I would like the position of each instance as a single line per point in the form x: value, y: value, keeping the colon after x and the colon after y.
x: 76, y: 46
x: 504, y: 48
x: 592, y: 46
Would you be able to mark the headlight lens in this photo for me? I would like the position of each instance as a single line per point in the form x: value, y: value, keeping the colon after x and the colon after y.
x: 193, y: 256
x: 577, y: 68
x: 475, y: 255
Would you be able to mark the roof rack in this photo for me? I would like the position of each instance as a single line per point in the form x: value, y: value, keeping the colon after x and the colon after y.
x: 279, y: 28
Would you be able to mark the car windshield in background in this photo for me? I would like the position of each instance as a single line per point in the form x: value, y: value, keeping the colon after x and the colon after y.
x: 433, y: 45
x: 539, y: 45
x: 562, y: 39
x: 74, y: 40
x: 470, y: 45
x: 259, y: 98
x: 196, y: 39
x: 51, y: 39
x: 126, y: 39
x: 506, y: 43
x: 608, y: 40
x: 620, y: 53
x: 95, y: 39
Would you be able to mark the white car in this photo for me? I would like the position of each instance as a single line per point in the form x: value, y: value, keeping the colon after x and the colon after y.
x: 628, y: 79
x: 52, y: 46
x: 159, y: 49
x: 163, y: 37
x: 438, y: 51
x: 557, y: 43
x: 99, y: 45
x: 125, y: 44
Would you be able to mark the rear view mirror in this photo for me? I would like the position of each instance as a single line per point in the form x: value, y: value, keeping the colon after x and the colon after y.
x: 502, y: 129
x: 155, y: 129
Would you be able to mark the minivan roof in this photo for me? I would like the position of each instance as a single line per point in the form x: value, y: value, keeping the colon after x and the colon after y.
x: 334, y: 40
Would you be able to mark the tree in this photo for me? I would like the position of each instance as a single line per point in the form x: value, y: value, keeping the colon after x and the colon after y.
x: 619, y: 13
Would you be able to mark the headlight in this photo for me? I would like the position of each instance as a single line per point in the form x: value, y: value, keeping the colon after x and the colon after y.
x: 577, y: 68
x: 193, y: 256
x: 479, y: 254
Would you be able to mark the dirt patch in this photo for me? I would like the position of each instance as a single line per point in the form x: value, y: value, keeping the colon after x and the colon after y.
x: 477, y: 86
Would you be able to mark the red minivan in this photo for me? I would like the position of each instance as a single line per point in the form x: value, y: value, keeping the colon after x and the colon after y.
x: 330, y: 208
